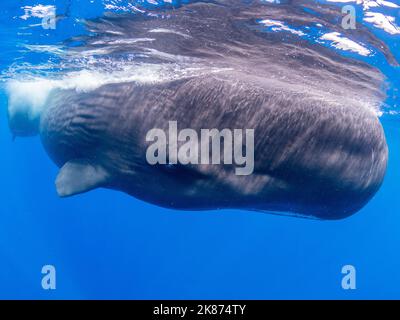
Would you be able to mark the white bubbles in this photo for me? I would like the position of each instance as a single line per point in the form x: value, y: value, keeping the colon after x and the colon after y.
x: 27, y: 96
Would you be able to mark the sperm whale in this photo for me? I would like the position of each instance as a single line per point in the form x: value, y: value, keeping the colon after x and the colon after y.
x: 319, y: 148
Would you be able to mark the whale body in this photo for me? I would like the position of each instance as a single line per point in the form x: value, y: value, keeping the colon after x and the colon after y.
x: 319, y: 148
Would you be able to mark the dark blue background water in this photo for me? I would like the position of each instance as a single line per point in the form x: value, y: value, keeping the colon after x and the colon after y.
x: 105, y: 244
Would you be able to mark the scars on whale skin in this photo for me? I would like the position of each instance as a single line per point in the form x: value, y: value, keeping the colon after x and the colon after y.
x: 319, y: 148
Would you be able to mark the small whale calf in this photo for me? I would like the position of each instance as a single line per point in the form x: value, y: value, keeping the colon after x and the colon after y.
x: 319, y: 148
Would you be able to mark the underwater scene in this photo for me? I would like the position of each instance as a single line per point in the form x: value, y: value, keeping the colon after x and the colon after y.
x: 224, y: 149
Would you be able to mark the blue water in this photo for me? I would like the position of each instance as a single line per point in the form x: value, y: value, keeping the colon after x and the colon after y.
x: 105, y: 244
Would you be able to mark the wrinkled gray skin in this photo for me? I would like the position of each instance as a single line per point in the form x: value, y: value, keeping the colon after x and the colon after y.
x: 320, y: 152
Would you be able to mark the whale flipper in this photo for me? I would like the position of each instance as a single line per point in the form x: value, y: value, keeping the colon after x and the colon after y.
x: 79, y: 176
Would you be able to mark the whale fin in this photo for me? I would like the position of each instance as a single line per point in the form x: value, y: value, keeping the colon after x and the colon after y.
x: 79, y: 176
